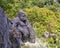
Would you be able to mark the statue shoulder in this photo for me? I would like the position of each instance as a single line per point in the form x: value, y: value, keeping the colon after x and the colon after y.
x: 15, y: 20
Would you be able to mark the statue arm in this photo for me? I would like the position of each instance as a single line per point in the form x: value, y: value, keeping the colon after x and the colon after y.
x: 31, y: 31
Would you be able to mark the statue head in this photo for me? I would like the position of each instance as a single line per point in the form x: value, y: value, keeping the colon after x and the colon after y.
x: 22, y: 15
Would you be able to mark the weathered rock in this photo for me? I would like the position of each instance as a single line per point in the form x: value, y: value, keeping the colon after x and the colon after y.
x: 4, y: 33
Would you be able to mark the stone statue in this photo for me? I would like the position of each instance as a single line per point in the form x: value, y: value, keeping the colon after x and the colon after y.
x: 24, y: 27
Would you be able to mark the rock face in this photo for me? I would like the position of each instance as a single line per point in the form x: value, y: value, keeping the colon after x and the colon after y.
x: 4, y: 33
x: 6, y: 39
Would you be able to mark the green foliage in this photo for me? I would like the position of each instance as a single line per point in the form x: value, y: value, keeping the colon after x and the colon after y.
x: 42, y: 16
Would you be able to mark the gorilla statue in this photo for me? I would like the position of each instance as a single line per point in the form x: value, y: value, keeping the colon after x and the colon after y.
x: 21, y: 31
x: 22, y: 25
